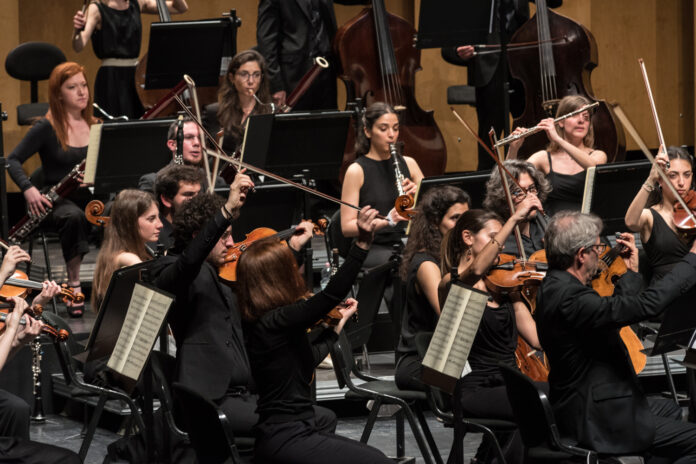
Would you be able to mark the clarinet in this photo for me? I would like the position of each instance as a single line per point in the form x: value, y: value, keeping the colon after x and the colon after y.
x: 397, y: 170
x: 179, y: 157
x: 404, y: 202
x: 65, y: 187
x: 36, y: 356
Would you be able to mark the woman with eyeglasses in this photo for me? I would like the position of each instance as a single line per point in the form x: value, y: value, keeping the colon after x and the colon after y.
x: 569, y: 153
x: 469, y: 250
x: 532, y: 182
x: 243, y: 92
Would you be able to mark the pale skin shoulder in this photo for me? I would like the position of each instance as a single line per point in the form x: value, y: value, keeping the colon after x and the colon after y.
x: 428, y: 280
x: 416, y: 173
x: 540, y: 161
x: 352, y: 183
x: 125, y: 259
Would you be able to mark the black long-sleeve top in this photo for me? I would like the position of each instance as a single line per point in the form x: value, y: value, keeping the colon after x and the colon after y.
x: 282, y: 358
x: 56, y: 162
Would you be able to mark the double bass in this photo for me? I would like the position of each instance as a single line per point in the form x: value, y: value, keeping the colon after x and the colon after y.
x: 560, y: 65
x: 383, y: 68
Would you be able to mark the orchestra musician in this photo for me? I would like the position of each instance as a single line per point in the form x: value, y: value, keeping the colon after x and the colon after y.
x: 277, y: 313
x: 469, y: 251
x: 438, y: 211
x: 116, y: 32
x: 205, y: 319
x: 174, y: 185
x: 15, y: 445
x: 532, y: 182
x: 569, y: 153
x: 245, y: 81
x: 595, y: 393
x: 61, y: 139
x: 191, y: 153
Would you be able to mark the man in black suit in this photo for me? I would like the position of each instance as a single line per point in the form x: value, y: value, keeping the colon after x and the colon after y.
x: 489, y: 73
x: 290, y: 34
x: 174, y: 185
x: 595, y: 393
x: 211, y: 358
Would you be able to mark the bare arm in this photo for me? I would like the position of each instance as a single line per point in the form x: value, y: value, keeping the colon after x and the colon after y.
x: 174, y: 6
x: 428, y: 278
x: 525, y: 324
x: 580, y: 156
x: 85, y: 22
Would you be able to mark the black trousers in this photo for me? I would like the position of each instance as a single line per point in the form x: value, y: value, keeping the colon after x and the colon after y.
x: 301, y: 442
x: 241, y: 412
x: 408, y: 373
x: 14, y: 416
x: 674, y: 439
x: 16, y: 451
x: 68, y: 218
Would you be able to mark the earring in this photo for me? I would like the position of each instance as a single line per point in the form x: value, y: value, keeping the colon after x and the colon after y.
x: 467, y: 254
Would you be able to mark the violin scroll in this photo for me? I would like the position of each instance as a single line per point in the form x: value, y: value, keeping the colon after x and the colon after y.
x: 94, y: 213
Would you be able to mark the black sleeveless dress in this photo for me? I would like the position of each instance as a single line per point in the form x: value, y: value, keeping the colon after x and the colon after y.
x: 664, y: 247
x: 119, y: 37
x: 567, y: 192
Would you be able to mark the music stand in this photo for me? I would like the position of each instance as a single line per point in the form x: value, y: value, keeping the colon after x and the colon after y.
x: 453, y: 23
x: 127, y: 150
x: 678, y: 326
x: 473, y: 183
x: 287, y: 144
x: 175, y: 49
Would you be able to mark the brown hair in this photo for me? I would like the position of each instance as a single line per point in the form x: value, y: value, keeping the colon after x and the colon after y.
x: 229, y: 110
x: 122, y: 234
x: 566, y: 105
x: 495, y: 199
x: 56, y: 110
x: 453, y: 246
x: 267, y: 278
x: 368, y: 119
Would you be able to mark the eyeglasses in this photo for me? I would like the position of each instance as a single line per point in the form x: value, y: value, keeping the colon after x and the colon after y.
x: 599, y: 248
x: 519, y: 194
x: 246, y: 75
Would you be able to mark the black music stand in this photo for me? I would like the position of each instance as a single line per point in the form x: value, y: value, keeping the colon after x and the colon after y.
x: 127, y: 150
x: 678, y: 326
x: 195, y: 48
x: 449, y: 24
x: 473, y: 183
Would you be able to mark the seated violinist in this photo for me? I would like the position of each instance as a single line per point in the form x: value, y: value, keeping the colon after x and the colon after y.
x: 469, y: 251
x: 531, y: 181
x: 595, y: 393
x: 15, y: 445
x: 174, y: 185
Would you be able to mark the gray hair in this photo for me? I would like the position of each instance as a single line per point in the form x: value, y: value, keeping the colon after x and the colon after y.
x: 567, y: 232
x: 495, y: 195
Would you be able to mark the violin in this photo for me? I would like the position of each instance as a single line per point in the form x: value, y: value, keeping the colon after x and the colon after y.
x: 683, y: 219
x: 5, y: 308
x: 94, y: 213
x: 228, y: 271
x: 19, y: 285
x: 332, y: 318
x: 612, y: 266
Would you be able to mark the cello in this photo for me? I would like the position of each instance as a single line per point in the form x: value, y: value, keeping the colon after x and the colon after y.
x: 383, y: 69
x: 557, y: 68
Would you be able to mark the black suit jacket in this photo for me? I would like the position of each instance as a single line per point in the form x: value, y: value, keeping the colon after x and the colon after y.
x: 205, y: 318
x: 594, y: 390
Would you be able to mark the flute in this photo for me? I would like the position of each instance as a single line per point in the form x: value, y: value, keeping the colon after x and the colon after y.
x: 535, y: 129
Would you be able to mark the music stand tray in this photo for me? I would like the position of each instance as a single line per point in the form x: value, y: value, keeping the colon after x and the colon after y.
x: 453, y: 23
x: 127, y: 150
x: 678, y: 326
x: 310, y: 143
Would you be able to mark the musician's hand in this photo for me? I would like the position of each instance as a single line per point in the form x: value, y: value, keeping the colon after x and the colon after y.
x: 29, y: 331
x: 12, y: 321
x: 36, y: 202
x: 298, y: 240
x: 13, y: 256
x: 662, y: 161
x: 279, y: 98
x: 409, y: 186
x: 466, y: 52
x: 524, y: 209
x: 515, y: 145
x: 238, y: 192
x: 367, y: 224
x: 49, y: 290
x: 349, y: 307
x: 79, y: 20
x: 548, y: 126
x: 629, y: 252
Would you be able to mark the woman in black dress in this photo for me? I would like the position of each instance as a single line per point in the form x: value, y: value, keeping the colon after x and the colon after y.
x: 61, y: 140
x: 116, y: 32
x: 277, y: 313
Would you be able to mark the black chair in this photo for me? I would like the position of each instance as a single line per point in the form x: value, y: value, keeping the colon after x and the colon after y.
x: 537, y: 424
x: 384, y: 392
x: 208, y: 427
x: 32, y: 61
x: 441, y: 405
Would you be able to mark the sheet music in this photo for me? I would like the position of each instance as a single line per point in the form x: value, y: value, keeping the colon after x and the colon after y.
x: 146, y: 313
x: 93, y: 152
x: 588, y: 190
x: 455, y: 331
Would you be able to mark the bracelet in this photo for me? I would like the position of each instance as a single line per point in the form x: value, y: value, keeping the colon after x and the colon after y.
x: 648, y: 187
x: 500, y: 247
x: 227, y: 212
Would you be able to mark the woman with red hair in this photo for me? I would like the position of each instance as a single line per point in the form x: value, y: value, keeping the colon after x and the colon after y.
x: 60, y: 139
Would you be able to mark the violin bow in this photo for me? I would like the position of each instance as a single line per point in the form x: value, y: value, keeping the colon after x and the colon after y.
x: 194, y: 100
x: 661, y: 139
x: 221, y: 154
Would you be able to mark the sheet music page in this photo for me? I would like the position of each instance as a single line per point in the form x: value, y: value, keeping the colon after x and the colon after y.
x: 146, y: 313
x: 93, y: 152
x: 588, y: 190
x: 455, y: 331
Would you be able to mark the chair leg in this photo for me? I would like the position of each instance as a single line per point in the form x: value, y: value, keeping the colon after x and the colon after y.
x: 371, y: 418
x: 400, y: 446
x: 493, y: 439
x: 31, y: 255
x: 417, y: 433
x: 428, y: 435
x: 670, y: 379
x: 92, y: 427
x: 49, y: 274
